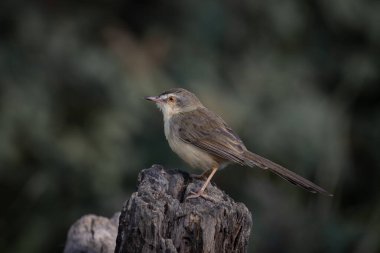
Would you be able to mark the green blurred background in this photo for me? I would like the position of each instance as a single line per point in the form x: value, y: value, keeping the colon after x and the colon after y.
x: 297, y: 80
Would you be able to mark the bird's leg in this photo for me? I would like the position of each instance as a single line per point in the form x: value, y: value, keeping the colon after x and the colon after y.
x: 200, y: 192
x: 202, y: 176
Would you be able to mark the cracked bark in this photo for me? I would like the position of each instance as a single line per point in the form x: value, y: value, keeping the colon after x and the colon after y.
x: 157, y: 218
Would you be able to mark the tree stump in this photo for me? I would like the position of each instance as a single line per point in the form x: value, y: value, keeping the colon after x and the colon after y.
x: 158, y: 218
x: 92, y: 234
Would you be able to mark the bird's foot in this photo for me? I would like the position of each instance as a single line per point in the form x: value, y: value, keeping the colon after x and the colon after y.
x: 201, y: 194
x: 202, y: 176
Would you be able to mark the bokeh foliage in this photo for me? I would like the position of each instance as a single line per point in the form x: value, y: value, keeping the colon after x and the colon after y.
x: 298, y: 80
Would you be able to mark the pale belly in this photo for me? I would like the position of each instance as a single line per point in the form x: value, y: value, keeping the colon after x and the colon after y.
x: 193, y: 155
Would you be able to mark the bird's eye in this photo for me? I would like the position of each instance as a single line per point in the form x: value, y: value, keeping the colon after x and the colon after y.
x: 171, y: 99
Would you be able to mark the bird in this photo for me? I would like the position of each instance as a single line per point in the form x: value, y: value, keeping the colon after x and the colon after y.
x: 204, y: 140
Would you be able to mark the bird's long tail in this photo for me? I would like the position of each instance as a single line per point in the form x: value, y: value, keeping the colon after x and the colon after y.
x: 252, y: 160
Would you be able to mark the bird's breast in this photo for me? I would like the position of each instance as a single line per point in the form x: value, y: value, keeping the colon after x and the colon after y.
x: 194, y: 156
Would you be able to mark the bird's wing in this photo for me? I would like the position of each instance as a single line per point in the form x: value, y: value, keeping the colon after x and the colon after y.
x: 207, y: 131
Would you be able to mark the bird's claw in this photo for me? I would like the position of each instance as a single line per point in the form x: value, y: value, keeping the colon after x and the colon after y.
x: 193, y: 195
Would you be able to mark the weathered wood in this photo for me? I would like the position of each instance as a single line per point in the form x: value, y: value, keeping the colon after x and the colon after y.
x: 92, y: 234
x: 157, y: 218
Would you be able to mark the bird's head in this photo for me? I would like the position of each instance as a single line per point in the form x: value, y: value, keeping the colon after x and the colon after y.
x: 175, y: 100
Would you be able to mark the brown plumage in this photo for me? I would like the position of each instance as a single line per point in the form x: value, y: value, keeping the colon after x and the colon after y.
x: 204, y: 140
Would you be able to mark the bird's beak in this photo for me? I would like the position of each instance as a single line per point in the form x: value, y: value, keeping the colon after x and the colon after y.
x: 155, y: 99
